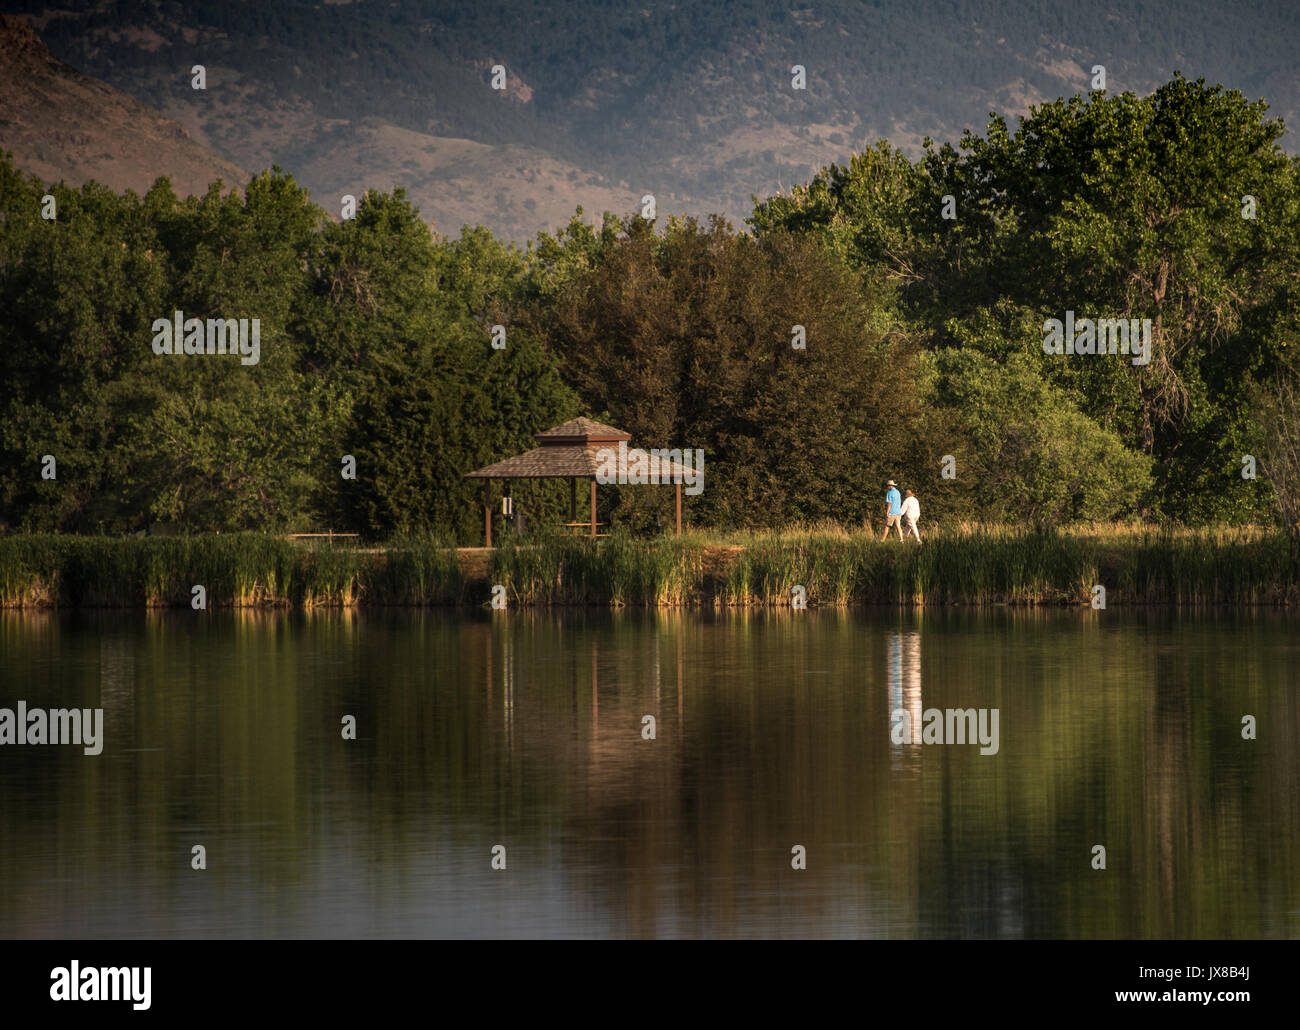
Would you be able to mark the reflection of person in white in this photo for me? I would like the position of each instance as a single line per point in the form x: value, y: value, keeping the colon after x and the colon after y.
x: 911, y: 515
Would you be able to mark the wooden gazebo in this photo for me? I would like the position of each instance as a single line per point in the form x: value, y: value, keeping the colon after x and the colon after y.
x: 570, y: 451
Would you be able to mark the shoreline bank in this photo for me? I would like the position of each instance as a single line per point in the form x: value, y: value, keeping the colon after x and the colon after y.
x: 963, y: 567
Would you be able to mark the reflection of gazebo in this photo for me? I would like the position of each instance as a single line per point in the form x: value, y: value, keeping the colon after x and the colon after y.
x: 570, y: 451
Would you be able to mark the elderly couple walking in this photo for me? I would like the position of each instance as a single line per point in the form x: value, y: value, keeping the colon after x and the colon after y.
x: 901, y: 513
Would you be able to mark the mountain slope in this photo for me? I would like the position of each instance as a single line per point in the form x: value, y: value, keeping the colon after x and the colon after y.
x: 61, y: 124
x: 691, y: 102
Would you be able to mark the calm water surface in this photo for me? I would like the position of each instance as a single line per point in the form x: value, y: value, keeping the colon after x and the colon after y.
x: 1121, y: 729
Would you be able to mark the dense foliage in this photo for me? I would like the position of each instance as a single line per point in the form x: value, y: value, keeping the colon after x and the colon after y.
x: 374, y: 344
x: 922, y: 340
x: 1178, y: 208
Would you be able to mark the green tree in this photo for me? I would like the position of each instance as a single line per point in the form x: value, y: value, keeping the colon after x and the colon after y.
x: 1130, y: 207
x: 1025, y: 452
x: 685, y: 340
x: 407, y: 319
x: 77, y: 295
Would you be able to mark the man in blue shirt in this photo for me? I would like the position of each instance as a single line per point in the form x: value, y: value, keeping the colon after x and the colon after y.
x: 893, y: 511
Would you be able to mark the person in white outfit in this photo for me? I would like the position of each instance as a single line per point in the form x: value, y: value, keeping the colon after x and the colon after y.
x: 911, y: 515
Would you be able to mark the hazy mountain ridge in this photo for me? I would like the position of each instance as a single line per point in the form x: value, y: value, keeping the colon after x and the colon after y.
x: 611, y: 100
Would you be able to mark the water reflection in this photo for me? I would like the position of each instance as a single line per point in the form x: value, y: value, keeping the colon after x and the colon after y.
x: 524, y: 728
x: 904, y: 691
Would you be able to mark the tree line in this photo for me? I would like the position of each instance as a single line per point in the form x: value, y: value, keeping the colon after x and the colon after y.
x: 885, y: 320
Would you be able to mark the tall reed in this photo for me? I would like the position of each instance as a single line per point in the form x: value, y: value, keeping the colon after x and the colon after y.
x: 962, y: 564
x: 412, y: 571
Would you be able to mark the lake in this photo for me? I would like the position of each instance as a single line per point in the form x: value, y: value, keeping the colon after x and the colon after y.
x: 778, y: 740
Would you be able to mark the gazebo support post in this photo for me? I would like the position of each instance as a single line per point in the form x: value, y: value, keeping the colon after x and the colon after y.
x: 487, y: 511
x: 679, y: 508
x: 593, y: 509
x: 573, y: 500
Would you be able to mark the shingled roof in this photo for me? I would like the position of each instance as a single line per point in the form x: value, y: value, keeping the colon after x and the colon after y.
x: 568, y: 451
x: 581, y: 430
x: 551, y: 462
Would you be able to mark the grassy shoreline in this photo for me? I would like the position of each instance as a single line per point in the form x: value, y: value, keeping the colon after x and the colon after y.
x: 963, y: 565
